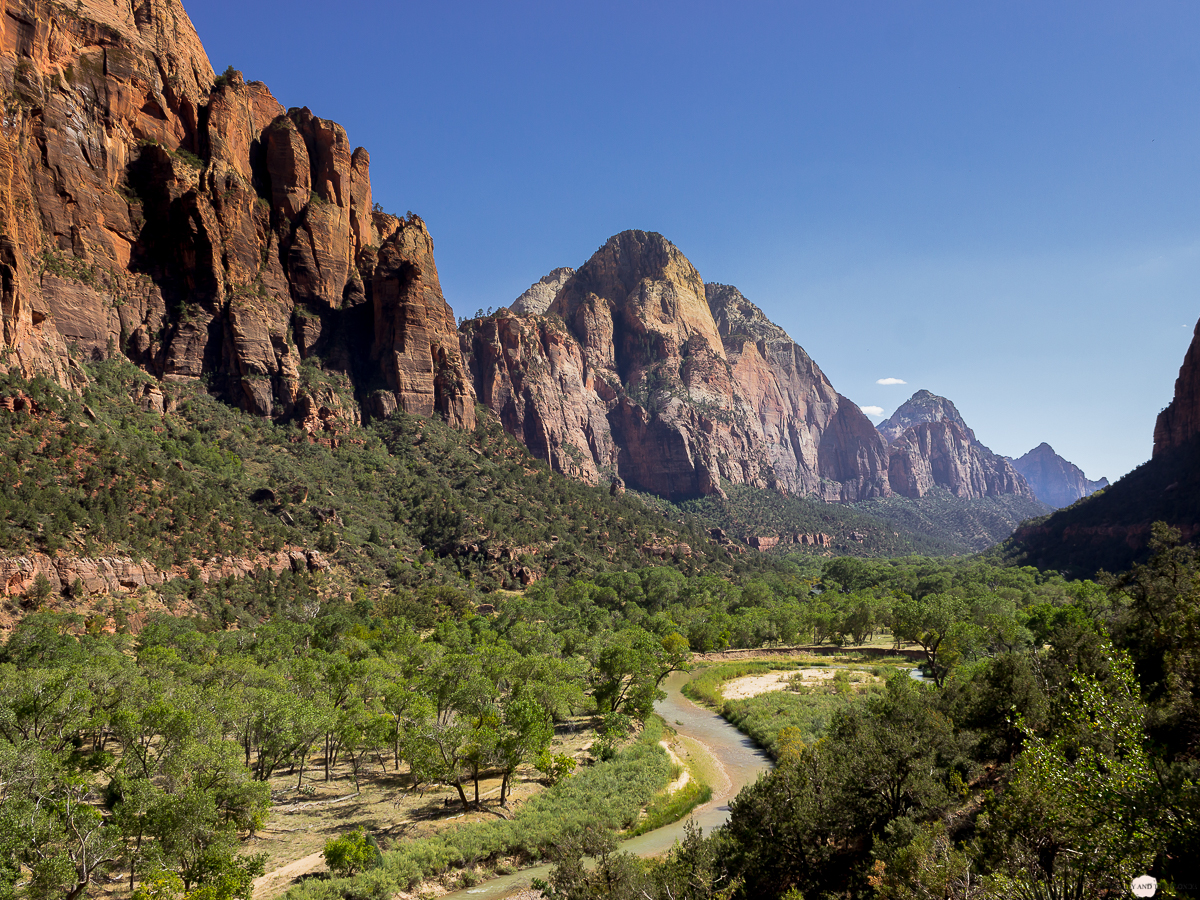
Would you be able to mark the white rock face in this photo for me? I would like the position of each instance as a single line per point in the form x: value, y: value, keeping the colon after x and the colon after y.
x: 536, y: 300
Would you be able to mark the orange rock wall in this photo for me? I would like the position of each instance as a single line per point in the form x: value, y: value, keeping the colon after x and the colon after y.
x: 194, y: 224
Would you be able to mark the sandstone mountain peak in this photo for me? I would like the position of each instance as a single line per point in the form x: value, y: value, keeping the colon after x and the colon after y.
x: 923, y: 406
x: 1180, y: 421
x: 641, y: 371
x: 1055, y: 481
x: 931, y: 445
x: 637, y: 287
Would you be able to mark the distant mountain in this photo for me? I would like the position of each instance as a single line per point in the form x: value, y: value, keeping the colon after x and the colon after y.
x: 923, y: 406
x: 1111, y: 529
x: 931, y: 446
x: 640, y: 371
x: 1055, y: 481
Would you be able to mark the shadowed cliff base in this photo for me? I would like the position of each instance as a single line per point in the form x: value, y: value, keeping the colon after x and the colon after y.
x: 1110, y: 529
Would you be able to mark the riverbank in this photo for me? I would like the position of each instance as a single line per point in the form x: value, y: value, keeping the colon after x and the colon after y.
x: 720, y: 754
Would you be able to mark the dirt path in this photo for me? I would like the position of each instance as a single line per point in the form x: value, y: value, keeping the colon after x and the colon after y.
x: 276, y: 881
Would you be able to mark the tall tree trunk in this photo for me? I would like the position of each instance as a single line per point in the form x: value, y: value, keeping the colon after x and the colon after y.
x: 462, y: 795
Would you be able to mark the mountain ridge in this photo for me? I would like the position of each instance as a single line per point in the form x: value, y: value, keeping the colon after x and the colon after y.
x: 629, y: 375
x: 1054, y: 480
x: 930, y: 445
x: 1111, y: 529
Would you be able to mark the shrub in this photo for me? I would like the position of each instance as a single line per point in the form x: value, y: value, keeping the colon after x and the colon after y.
x: 351, y: 853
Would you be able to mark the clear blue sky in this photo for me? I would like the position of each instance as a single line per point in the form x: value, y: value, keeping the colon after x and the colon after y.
x: 999, y: 202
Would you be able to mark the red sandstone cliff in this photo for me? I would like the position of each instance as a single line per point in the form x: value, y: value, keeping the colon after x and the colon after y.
x: 1180, y: 421
x: 639, y: 369
x: 194, y: 224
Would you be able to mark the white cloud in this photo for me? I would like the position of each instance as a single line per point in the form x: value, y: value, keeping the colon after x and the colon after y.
x: 891, y: 381
x: 872, y: 410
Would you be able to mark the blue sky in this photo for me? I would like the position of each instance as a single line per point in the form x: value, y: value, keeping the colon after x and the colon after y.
x: 999, y: 202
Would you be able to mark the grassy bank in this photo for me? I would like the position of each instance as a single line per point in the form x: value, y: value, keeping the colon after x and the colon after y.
x: 609, y: 794
x: 706, y: 687
x: 667, y: 808
x: 807, y: 708
x: 764, y: 718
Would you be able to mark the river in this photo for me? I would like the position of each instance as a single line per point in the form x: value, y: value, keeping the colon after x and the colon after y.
x: 724, y: 757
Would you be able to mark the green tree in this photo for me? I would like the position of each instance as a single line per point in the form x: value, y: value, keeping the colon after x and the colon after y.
x: 351, y: 853
x: 525, y: 734
x: 628, y: 667
x: 940, y: 624
x: 1085, y: 811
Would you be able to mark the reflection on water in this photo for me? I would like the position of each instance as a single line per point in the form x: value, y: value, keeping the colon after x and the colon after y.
x: 740, y: 759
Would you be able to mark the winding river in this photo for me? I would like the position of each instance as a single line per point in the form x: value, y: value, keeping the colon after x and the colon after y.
x: 724, y: 757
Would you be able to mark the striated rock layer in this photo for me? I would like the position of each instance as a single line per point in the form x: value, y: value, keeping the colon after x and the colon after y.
x: 192, y: 223
x: 1053, y: 480
x: 640, y: 371
x: 1180, y: 421
x: 930, y: 445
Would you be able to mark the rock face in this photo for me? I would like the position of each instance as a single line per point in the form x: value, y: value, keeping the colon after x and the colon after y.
x: 923, y: 406
x: 813, y: 435
x: 536, y: 300
x: 122, y: 575
x: 1053, y: 480
x: 195, y: 225
x: 1180, y: 421
x: 640, y: 370
x: 930, y: 445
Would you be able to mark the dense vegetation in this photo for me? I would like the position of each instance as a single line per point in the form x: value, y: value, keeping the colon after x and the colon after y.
x: 150, y: 756
x: 1055, y: 757
x: 938, y: 524
x: 968, y: 525
x: 407, y: 500
x: 1052, y: 754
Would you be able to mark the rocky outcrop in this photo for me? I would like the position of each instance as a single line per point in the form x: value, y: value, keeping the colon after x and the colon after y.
x: 931, y: 445
x: 639, y: 369
x: 193, y: 223
x: 1053, y: 480
x: 122, y: 575
x: 1110, y: 530
x: 1180, y: 421
x: 536, y: 300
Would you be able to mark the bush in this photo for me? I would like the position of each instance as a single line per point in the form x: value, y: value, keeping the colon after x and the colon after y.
x: 351, y: 853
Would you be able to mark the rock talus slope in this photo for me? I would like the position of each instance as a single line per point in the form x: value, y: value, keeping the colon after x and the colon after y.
x: 189, y: 221
x: 639, y: 370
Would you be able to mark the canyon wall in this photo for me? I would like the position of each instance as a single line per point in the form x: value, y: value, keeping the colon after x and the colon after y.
x: 189, y: 221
